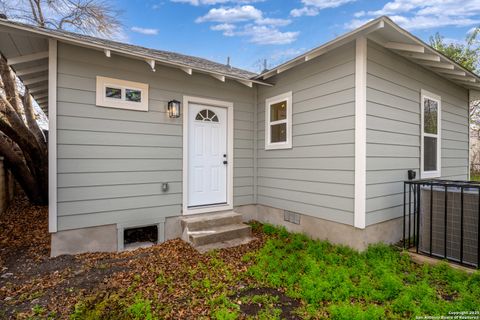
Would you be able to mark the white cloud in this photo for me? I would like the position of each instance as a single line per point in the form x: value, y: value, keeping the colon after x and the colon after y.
x: 259, y: 34
x: 313, y: 7
x: 305, y: 11
x: 227, y: 29
x: 359, y: 14
x: 356, y: 23
x: 268, y: 35
x: 214, y: 2
x: 425, y: 14
x: 248, y: 21
x: 324, y: 4
x: 230, y: 15
x: 273, y: 22
x: 145, y: 31
x: 281, y: 56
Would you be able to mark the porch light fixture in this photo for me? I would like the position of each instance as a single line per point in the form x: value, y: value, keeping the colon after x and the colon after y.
x: 173, y: 109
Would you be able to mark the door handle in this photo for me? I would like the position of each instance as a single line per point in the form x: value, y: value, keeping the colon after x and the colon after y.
x: 225, y: 161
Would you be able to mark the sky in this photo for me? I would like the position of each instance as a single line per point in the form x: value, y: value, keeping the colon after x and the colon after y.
x: 249, y: 31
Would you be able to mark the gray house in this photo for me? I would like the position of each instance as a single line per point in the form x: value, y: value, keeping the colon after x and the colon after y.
x: 320, y: 144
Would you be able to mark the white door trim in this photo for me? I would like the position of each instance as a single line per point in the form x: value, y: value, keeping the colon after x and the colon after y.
x: 214, y: 103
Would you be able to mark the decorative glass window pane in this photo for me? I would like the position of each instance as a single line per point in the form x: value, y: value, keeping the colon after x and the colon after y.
x: 113, y: 93
x: 206, y: 115
x: 430, y: 154
x: 430, y: 116
x: 278, y: 133
x: 133, y: 95
x: 278, y: 111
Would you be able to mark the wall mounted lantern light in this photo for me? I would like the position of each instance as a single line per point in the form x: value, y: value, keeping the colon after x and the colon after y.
x: 173, y: 109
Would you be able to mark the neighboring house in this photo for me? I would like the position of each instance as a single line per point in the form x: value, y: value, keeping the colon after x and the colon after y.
x: 320, y: 144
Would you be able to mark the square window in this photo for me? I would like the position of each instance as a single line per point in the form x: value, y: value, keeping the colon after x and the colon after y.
x: 278, y: 133
x: 113, y: 93
x: 278, y: 111
x: 133, y: 95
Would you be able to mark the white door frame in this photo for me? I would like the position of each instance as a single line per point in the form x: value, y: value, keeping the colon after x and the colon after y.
x: 214, y: 103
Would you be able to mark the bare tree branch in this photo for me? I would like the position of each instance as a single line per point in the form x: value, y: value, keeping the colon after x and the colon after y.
x: 21, y: 140
x: 9, y: 85
x: 31, y: 119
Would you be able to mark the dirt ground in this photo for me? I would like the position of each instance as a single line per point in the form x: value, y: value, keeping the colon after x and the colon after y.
x: 34, y: 285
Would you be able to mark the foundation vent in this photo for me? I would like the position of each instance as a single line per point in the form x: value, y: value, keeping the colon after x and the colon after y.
x: 140, y: 236
x: 292, y: 217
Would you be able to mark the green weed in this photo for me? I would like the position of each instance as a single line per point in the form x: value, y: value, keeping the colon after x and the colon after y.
x: 344, y: 284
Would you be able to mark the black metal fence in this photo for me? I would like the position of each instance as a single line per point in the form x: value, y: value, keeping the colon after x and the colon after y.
x: 441, y: 218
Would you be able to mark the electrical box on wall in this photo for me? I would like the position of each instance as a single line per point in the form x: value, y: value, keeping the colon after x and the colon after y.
x: 292, y: 217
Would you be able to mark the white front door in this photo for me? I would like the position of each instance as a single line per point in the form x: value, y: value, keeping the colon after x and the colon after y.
x: 207, y: 155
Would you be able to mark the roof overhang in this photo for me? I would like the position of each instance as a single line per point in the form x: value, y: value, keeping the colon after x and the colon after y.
x: 16, y: 31
x: 391, y: 36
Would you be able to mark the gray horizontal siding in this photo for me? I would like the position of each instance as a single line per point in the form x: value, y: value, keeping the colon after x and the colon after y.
x: 112, y: 162
x: 316, y: 176
x: 393, y: 129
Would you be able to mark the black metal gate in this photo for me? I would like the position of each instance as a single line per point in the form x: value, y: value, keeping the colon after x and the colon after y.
x: 441, y: 218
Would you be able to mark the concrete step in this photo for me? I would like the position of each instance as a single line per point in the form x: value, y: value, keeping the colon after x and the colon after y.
x: 219, y: 234
x: 207, y: 221
x: 224, y: 244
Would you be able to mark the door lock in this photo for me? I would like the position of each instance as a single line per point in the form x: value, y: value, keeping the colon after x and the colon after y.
x: 225, y: 161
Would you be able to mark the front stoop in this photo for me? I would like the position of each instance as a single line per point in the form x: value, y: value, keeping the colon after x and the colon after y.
x: 215, y: 231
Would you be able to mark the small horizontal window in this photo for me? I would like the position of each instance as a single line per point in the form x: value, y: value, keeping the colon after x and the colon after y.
x: 122, y: 94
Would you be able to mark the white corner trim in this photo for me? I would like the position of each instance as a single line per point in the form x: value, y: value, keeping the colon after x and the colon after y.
x: 52, y: 135
x: 437, y: 173
x: 214, y: 103
x: 287, y: 96
x: 468, y: 124
x: 360, y: 132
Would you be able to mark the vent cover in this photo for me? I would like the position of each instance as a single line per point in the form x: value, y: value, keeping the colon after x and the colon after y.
x: 292, y: 217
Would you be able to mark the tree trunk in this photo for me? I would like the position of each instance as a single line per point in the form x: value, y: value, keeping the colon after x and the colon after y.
x: 13, y: 158
x: 22, y: 143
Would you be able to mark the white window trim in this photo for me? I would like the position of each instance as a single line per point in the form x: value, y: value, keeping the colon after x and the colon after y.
x: 437, y: 173
x: 103, y: 101
x: 268, y: 102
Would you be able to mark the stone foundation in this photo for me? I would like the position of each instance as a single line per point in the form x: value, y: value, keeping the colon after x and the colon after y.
x: 316, y: 228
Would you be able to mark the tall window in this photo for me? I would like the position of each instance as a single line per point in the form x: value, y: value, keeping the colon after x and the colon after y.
x: 431, y: 135
x: 278, y: 122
